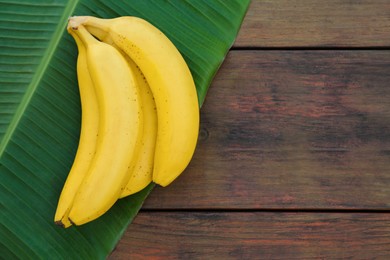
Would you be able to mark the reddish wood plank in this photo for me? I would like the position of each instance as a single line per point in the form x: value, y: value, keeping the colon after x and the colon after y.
x: 207, y: 235
x: 302, y: 23
x: 291, y: 129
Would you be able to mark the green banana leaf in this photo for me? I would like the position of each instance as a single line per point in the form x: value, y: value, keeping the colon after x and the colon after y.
x: 40, y: 112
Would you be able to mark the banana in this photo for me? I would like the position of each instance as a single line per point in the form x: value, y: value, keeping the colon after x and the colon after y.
x: 88, y: 136
x: 171, y: 83
x: 143, y: 168
x: 120, y: 129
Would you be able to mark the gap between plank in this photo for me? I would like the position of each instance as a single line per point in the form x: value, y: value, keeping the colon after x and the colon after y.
x: 311, y: 48
x: 250, y: 210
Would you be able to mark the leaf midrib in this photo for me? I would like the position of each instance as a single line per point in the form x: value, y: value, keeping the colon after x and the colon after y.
x: 41, y: 69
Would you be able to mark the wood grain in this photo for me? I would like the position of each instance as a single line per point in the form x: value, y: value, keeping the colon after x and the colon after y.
x: 293, y: 159
x: 256, y: 235
x: 291, y: 129
x: 312, y: 23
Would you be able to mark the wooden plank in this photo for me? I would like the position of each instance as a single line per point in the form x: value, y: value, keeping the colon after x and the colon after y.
x: 310, y: 23
x: 256, y: 235
x: 291, y: 129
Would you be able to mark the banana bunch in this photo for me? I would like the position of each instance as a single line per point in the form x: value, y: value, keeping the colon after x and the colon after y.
x: 140, y: 115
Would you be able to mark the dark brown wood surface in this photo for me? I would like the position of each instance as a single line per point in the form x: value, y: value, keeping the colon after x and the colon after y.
x: 293, y: 158
x: 256, y: 235
x: 314, y: 23
x: 291, y: 129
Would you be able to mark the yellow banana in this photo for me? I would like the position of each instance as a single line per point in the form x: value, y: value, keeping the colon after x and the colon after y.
x: 143, y: 168
x: 120, y: 129
x: 88, y: 136
x: 171, y: 83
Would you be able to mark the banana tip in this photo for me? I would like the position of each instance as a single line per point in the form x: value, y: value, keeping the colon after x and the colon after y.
x: 72, y: 222
x: 59, y: 223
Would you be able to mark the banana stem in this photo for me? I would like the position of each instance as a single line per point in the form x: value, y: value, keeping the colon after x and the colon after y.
x: 98, y: 27
x: 83, y: 35
x: 75, y: 21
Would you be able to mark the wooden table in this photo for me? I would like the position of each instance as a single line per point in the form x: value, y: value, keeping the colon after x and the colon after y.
x: 293, y: 159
